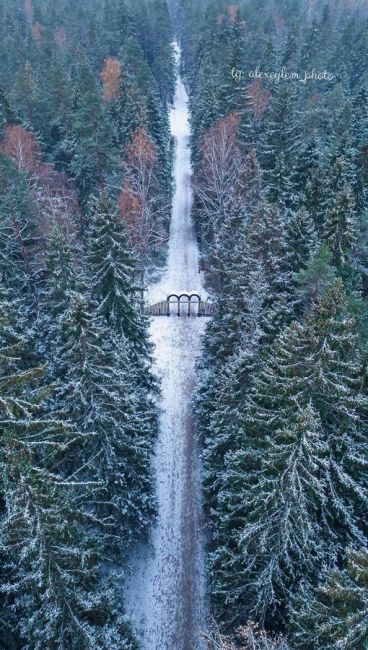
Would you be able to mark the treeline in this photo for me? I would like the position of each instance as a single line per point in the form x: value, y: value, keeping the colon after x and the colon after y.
x: 85, y: 174
x: 280, y: 184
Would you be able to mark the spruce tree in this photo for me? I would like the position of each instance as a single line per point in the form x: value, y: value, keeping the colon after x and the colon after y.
x: 232, y: 95
x: 359, y: 139
x: 340, y: 228
x: 335, y: 614
x: 54, y: 583
x: 306, y: 165
x: 279, y: 183
x: 17, y: 234
x: 290, y: 54
x: 54, y: 593
x: 312, y: 281
x: 6, y: 113
x: 59, y: 109
x: 99, y: 389
x: 301, y: 239
x: 269, y: 243
x: 55, y: 298
x: 112, y: 266
x: 281, y: 139
x: 317, y: 197
x: 234, y: 366
x: 280, y: 505
x: 27, y: 96
x: 162, y: 55
x: 306, y: 394
x: 117, y: 23
x: 93, y: 159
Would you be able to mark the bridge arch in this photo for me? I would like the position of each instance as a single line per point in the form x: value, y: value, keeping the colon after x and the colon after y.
x: 190, y: 299
x: 182, y: 298
x: 194, y: 303
x: 172, y: 295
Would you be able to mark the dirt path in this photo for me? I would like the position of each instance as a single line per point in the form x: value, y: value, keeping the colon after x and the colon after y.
x: 166, y: 593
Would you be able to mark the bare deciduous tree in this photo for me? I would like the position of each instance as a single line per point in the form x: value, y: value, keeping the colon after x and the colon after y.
x: 219, y: 169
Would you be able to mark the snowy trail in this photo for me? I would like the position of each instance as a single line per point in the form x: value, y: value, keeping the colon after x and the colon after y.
x: 166, y: 592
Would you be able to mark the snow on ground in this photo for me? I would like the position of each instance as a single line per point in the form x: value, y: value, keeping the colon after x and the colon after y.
x: 166, y: 590
x: 183, y: 258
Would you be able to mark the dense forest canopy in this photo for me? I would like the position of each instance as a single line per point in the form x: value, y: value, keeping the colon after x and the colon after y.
x: 279, y: 118
x: 279, y: 135
x: 85, y: 185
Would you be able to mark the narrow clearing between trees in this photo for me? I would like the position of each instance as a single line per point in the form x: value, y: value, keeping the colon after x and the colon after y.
x: 166, y: 592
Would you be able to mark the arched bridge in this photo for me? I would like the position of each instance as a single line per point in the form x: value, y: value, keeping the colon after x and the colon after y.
x: 181, y: 303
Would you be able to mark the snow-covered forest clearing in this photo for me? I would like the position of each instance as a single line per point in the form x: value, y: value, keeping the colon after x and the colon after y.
x: 184, y: 325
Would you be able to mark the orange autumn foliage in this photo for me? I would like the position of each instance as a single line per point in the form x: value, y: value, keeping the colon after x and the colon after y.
x: 280, y: 25
x: 142, y: 151
x: 61, y: 38
x: 259, y: 98
x: 130, y: 207
x: 111, y: 76
x: 311, y: 7
x: 22, y: 148
x: 138, y: 197
x: 54, y: 196
x: 232, y: 13
x: 28, y: 10
x: 221, y: 139
x: 37, y: 32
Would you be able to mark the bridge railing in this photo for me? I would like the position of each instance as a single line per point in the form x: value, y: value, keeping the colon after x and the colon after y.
x: 200, y: 308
